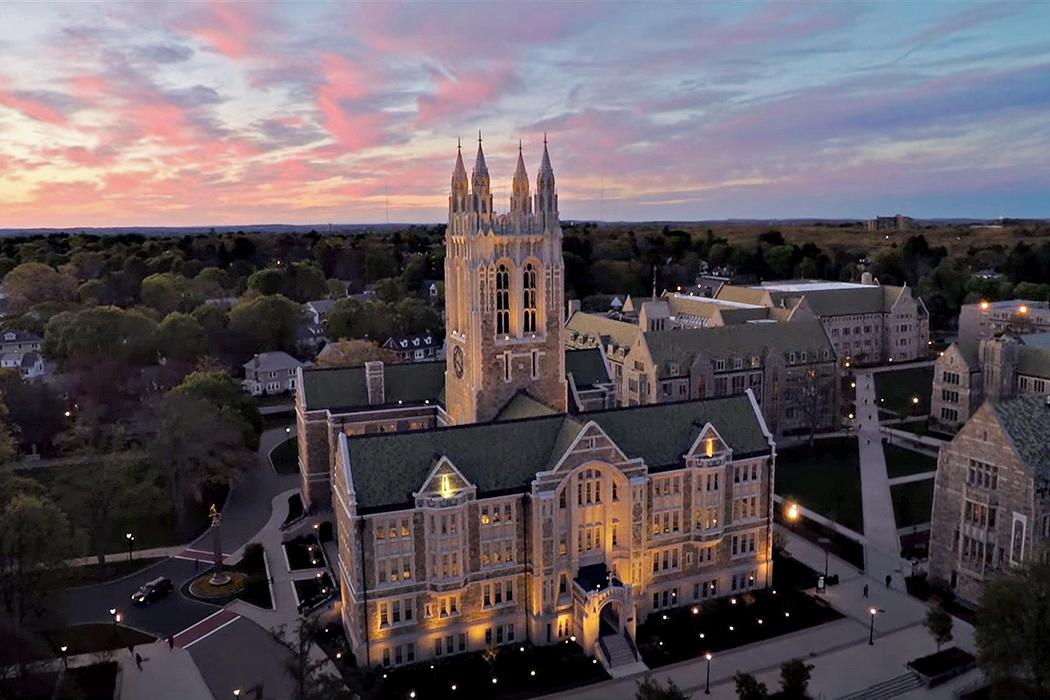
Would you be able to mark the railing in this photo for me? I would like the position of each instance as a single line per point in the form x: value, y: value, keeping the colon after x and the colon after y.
x: 630, y: 643
x: 603, y: 652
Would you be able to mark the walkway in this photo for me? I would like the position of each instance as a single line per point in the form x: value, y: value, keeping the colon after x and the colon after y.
x: 880, y: 526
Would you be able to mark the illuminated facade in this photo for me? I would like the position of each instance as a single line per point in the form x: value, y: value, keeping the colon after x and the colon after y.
x: 472, y: 509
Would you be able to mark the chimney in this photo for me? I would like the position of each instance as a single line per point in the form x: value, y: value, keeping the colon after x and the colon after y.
x: 866, y: 278
x: 574, y: 306
x: 374, y: 382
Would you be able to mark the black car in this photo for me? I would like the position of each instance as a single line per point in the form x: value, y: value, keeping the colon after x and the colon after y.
x: 152, y: 591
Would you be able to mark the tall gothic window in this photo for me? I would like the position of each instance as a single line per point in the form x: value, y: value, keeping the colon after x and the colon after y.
x: 502, y: 300
x: 529, y: 297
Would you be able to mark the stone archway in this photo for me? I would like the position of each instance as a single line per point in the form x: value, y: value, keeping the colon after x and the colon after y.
x: 610, y: 618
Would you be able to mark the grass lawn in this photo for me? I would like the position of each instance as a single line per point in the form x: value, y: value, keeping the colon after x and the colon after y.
x: 824, y: 479
x: 693, y: 630
x: 898, y: 387
x: 912, y: 502
x: 115, y: 567
x: 902, y: 462
x: 149, y: 516
x: 96, y: 681
x: 285, y: 457
x: 557, y: 667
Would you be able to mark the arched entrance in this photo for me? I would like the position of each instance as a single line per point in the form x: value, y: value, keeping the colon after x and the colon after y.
x: 610, y: 619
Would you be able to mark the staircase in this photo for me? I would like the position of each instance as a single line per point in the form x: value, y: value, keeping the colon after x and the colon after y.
x: 618, y: 656
x: 887, y: 689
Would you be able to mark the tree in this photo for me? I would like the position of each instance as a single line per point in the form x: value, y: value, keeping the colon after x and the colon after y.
x: 353, y: 353
x: 306, y: 669
x: 794, y: 678
x: 1013, y: 617
x: 939, y: 623
x: 196, y: 448
x: 266, y: 323
x: 650, y: 689
x: 266, y: 282
x: 307, y: 282
x: 181, y: 337
x: 748, y: 687
x: 227, y: 396
x: 35, y: 541
x: 36, y: 411
x: 102, y: 332
x: 167, y: 292
x: 32, y: 283
x: 7, y: 441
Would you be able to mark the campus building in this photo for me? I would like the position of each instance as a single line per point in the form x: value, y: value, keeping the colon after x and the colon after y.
x: 991, y: 501
x: 867, y: 323
x: 495, y: 499
x: 990, y: 318
x: 996, y: 368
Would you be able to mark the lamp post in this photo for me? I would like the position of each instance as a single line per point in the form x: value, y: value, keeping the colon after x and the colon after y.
x: 707, y: 683
x: 871, y: 628
x: 131, y: 543
x: 824, y: 542
x: 65, y: 660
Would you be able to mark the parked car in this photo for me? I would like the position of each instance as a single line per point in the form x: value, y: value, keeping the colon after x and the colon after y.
x: 152, y: 591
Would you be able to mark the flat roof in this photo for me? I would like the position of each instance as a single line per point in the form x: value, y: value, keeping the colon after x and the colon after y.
x: 717, y: 302
x: 803, y: 287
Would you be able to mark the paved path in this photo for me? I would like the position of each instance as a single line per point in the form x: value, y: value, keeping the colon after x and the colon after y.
x: 880, y: 527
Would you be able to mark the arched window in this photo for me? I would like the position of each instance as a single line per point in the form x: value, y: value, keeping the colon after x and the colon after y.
x: 529, y: 298
x: 502, y: 300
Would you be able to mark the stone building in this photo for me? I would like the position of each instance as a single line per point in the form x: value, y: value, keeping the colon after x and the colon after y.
x: 996, y: 368
x: 990, y: 318
x: 991, y: 501
x: 868, y: 323
x: 496, y: 499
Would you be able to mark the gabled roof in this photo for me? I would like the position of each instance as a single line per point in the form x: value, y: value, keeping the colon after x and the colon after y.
x: 271, y: 361
x: 344, y: 387
x: 1033, y: 361
x: 321, y: 306
x: 1027, y: 422
x: 523, y: 406
x: 506, y: 456
x: 680, y: 346
x: 17, y: 335
x: 603, y: 329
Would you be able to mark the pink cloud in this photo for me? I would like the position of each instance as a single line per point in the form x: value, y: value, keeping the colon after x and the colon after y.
x: 31, y: 107
x: 466, y: 92
x: 232, y: 29
x: 354, y: 124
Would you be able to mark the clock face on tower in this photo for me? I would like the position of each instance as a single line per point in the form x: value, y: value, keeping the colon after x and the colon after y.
x: 457, y: 361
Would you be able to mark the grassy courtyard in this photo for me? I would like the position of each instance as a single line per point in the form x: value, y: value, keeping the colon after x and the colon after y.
x: 896, y: 390
x: 902, y: 462
x: 912, y: 502
x: 824, y: 479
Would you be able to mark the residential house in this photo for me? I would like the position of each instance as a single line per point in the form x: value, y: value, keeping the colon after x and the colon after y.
x: 415, y: 348
x: 271, y: 373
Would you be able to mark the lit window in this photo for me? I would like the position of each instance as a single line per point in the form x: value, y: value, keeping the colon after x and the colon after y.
x: 529, y: 298
x: 502, y: 300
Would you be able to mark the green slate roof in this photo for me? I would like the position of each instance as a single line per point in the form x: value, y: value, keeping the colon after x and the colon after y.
x: 1027, y: 422
x: 823, y: 302
x: 345, y: 386
x: 505, y: 456
x: 1033, y: 361
x: 523, y: 406
x: 587, y: 367
x: 680, y: 346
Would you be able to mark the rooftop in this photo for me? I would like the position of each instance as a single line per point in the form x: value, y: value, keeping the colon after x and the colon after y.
x: 803, y: 286
x: 1027, y: 422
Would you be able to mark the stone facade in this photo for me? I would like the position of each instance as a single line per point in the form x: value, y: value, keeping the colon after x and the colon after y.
x: 991, y: 504
x: 670, y: 538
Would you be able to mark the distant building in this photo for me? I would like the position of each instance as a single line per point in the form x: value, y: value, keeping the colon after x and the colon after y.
x: 868, y: 323
x: 991, y: 505
x: 431, y: 291
x: 271, y: 373
x: 897, y: 222
x: 416, y: 348
x: 998, y: 369
x: 17, y: 340
x: 28, y: 364
x: 988, y: 318
x: 318, y: 310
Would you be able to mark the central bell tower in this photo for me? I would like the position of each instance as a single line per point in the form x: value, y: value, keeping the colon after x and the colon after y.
x: 504, y: 288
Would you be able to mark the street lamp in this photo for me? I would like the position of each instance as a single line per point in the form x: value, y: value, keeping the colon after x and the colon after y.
x: 131, y: 543
x: 824, y: 542
x: 792, y: 512
x: 236, y: 692
x: 707, y: 684
x: 65, y: 660
x: 871, y: 629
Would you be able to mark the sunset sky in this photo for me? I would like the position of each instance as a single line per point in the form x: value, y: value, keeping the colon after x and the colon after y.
x: 145, y: 113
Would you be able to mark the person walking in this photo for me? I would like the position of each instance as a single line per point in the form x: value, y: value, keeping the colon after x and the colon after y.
x: 171, y: 642
x: 889, y: 580
x: 865, y: 590
x: 138, y: 661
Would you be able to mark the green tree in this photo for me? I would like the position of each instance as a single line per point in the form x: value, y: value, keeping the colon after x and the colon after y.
x: 7, y: 440
x: 1013, y: 617
x: 306, y: 668
x: 650, y: 689
x: 228, y: 397
x: 389, y: 290
x: 181, y: 337
x: 35, y: 541
x: 211, y: 282
x: 33, y: 282
x: 748, y: 687
x: 101, y: 332
x: 167, y: 292
x: 353, y: 353
x: 307, y: 282
x: 794, y: 678
x: 266, y: 282
x: 939, y: 623
x: 266, y: 323
x: 195, y: 447
x: 36, y: 411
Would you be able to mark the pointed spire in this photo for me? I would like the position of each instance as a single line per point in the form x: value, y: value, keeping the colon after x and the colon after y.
x: 459, y: 173
x: 480, y: 177
x: 519, y: 197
